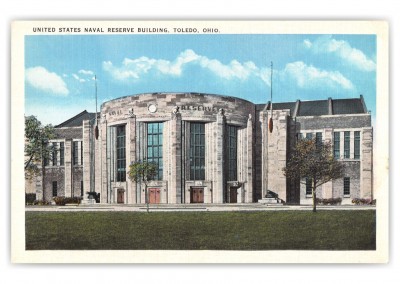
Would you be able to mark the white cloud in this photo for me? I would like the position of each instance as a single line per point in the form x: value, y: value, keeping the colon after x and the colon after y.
x: 342, y: 49
x: 78, y: 78
x: 85, y: 72
x: 40, y: 78
x: 308, y: 77
x: 135, y: 68
x: 298, y: 73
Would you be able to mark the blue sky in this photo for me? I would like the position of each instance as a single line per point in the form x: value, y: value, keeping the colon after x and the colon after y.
x: 59, y: 69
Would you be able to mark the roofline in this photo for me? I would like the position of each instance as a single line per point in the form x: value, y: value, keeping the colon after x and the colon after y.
x: 176, y: 93
x: 71, y: 119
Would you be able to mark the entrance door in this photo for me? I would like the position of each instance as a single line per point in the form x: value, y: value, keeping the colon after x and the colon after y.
x: 197, y: 195
x: 154, y: 195
x: 120, y: 195
x: 233, y: 195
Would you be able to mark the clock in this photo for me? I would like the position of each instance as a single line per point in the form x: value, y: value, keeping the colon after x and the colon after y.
x: 152, y: 108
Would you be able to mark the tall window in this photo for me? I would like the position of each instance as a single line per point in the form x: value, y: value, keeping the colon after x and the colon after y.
x: 75, y: 153
x: 54, y: 154
x: 357, y: 145
x: 81, y: 187
x: 308, y: 186
x: 154, y: 146
x: 232, y: 152
x: 336, y: 145
x: 61, y: 153
x: 318, y: 139
x: 81, y: 152
x: 347, y: 144
x: 54, y: 188
x: 121, y: 156
x: 197, y: 151
x: 346, y: 186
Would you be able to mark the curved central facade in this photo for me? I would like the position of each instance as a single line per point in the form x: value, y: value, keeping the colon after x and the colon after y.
x: 202, y: 144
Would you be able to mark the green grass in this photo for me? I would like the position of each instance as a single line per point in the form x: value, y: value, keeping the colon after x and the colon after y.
x: 272, y: 230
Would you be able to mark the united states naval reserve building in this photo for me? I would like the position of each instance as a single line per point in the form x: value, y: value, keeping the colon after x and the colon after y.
x: 209, y: 149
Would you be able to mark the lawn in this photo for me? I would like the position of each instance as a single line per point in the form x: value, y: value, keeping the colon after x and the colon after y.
x: 268, y: 230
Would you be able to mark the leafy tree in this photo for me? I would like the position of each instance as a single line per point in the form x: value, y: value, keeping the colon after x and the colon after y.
x: 144, y: 172
x: 313, y: 160
x: 37, y: 148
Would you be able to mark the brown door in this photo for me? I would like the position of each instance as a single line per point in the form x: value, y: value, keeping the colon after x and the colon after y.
x: 120, y: 195
x: 154, y: 195
x: 233, y: 195
x: 197, y: 195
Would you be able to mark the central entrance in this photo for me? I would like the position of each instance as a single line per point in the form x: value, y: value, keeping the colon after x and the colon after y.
x: 154, y: 195
x: 197, y: 195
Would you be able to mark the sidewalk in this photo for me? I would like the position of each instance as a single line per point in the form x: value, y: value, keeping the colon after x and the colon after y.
x: 191, y: 207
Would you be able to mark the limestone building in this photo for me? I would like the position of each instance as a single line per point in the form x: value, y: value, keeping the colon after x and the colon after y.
x: 208, y: 148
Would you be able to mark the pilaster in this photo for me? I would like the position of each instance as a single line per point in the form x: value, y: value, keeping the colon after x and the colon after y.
x: 218, y: 190
x: 175, y: 186
x: 249, y: 186
x: 130, y: 156
x: 68, y: 167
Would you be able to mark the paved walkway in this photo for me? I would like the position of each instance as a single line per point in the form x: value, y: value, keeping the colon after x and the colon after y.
x: 191, y: 207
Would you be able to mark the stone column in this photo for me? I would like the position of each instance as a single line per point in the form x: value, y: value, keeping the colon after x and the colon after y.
x: 131, y: 156
x: 68, y: 182
x: 264, y: 152
x: 249, y: 185
x: 103, y: 159
x: 366, y: 171
x: 174, y: 187
x: 86, y: 159
x: 218, y: 188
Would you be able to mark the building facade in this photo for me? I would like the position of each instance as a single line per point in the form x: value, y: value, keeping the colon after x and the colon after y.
x: 208, y: 148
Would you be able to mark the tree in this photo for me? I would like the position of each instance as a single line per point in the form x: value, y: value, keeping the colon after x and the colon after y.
x: 37, y: 148
x: 143, y: 171
x: 313, y: 160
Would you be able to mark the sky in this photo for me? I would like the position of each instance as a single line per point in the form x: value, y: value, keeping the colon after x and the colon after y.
x: 60, y: 69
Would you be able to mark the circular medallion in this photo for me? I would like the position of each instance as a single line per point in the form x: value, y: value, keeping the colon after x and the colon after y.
x: 152, y: 108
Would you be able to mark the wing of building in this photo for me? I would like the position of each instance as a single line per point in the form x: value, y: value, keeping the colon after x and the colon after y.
x: 208, y: 148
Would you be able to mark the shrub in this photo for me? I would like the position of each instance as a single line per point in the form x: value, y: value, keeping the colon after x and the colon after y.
x: 41, y: 202
x: 30, y: 198
x: 329, y: 201
x: 363, y: 201
x: 61, y: 201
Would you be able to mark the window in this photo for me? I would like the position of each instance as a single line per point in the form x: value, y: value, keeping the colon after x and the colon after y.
x: 197, y: 151
x: 81, y: 152
x: 81, y: 187
x: 346, y: 186
x: 308, y: 186
x: 154, y: 147
x: 309, y: 136
x: 299, y: 136
x: 121, y: 156
x: 54, y: 154
x: 61, y: 153
x: 75, y: 153
x: 347, y: 144
x: 232, y: 152
x: 318, y: 139
x: 336, y: 145
x: 54, y: 188
x: 357, y: 145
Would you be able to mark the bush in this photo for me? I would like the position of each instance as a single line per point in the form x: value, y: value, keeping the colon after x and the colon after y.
x: 329, y: 201
x: 41, y: 202
x: 30, y: 198
x: 60, y: 200
x: 363, y: 201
